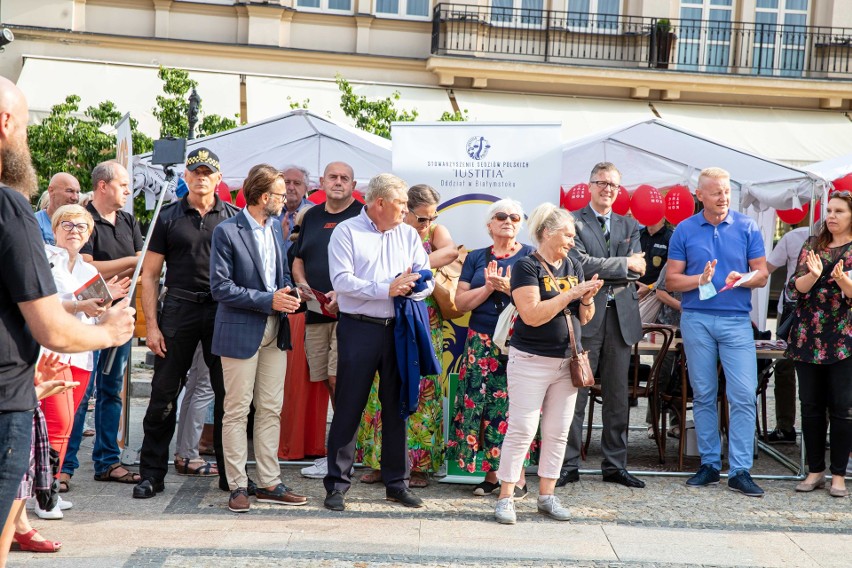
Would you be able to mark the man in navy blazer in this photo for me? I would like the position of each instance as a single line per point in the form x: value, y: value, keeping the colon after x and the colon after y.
x: 250, y: 280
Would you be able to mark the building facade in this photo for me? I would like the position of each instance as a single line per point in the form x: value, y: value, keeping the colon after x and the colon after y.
x: 773, y: 76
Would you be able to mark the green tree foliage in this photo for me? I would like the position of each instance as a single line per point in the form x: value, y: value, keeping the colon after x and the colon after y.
x: 456, y: 116
x: 372, y: 116
x: 70, y: 141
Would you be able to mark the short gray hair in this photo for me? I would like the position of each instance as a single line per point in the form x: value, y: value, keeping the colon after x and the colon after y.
x: 304, y: 171
x: 383, y: 186
x: 604, y: 167
x: 105, y: 172
x: 548, y: 217
x: 422, y: 194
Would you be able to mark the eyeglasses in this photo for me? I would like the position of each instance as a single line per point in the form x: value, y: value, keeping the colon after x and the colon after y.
x: 279, y: 195
x: 426, y: 219
x: 502, y: 216
x: 605, y: 184
x: 69, y: 226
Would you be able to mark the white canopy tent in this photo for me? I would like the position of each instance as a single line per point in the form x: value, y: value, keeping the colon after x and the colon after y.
x: 833, y: 168
x: 661, y: 154
x: 298, y: 137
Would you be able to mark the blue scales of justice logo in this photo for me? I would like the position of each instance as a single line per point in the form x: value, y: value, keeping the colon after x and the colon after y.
x: 477, y: 147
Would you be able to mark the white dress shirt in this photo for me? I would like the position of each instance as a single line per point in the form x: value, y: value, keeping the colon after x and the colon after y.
x: 66, y: 283
x: 363, y: 261
x: 265, y: 241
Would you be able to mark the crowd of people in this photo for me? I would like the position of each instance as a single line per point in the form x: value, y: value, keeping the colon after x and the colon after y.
x: 339, y: 297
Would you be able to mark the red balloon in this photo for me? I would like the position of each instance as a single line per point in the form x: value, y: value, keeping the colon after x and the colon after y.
x: 223, y: 191
x: 647, y: 205
x: 843, y: 183
x: 241, y: 199
x: 679, y: 204
x: 793, y: 216
x: 575, y: 198
x: 319, y: 196
x: 621, y: 204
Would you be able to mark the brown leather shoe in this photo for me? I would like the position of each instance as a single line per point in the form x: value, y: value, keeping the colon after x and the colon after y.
x: 239, y: 501
x: 280, y: 495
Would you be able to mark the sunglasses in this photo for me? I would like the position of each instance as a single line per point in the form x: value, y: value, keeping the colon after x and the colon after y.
x: 844, y: 193
x: 605, y: 184
x: 426, y: 219
x: 69, y: 226
x: 501, y: 216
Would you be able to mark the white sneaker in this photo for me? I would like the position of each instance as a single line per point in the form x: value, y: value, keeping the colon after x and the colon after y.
x: 504, y: 512
x: 549, y: 505
x: 63, y: 504
x: 54, y: 514
x: 317, y: 471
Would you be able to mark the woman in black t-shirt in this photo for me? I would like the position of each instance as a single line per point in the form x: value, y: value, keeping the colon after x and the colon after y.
x: 539, y: 381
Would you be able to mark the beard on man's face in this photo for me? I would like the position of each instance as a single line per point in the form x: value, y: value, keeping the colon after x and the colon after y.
x: 17, y: 169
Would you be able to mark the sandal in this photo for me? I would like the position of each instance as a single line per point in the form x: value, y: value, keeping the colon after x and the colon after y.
x: 64, y: 482
x: 203, y: 469
x: 128, y: 477
x: 419, y: 480
x: 674, y: 431
x: 372, y: 476
x: 27, y: 544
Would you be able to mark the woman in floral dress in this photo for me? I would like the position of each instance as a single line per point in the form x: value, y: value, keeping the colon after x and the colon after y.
x: 482, y: 406
x: 425, y: 431
x: 821, y: 344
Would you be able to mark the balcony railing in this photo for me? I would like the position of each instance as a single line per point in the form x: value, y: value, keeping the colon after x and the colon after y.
x: 574, y: 38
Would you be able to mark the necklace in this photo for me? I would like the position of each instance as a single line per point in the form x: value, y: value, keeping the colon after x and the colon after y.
x: 507, y: 255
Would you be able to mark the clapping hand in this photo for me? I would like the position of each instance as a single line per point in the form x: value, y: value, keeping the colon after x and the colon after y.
x: 709, y: 271
x: 838, y: 273
x: 46, y: 376
x: 118, y: 289
x: 814, y: 264
x: 589, y: 288
x: 495, y: 280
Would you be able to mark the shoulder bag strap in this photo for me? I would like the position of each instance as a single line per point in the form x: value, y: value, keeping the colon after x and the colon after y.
x: 567, y: 312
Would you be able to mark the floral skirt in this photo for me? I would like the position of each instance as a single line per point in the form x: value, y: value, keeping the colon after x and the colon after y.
x: 425, y: 427
x: 481, y: 409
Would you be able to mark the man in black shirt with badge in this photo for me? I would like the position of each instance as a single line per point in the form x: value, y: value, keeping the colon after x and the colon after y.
x: 30, y: 312
x: 655, y: 244
x: 181, y: 239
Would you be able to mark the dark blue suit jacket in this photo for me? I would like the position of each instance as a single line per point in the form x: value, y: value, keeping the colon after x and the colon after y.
x: 237, y: 284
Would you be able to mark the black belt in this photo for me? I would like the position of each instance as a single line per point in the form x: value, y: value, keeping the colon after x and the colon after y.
x: 369, y: 319
x: 195, y: 297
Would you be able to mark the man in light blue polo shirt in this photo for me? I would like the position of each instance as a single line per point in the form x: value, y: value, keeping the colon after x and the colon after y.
x: 708, y: 251
x: 63, y: 189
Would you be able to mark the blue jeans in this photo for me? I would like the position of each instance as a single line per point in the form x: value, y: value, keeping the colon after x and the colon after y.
x: 16, y: 432
x: 71, y: 463
x: 708, y: 339
x: 107, y: 414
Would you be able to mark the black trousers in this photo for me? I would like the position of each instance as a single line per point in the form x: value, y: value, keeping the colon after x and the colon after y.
x: 826, y: 389
x: 363, y: 348
x: 183, y: 324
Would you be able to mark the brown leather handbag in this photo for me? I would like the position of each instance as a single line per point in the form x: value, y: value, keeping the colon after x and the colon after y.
x: 578, y: 363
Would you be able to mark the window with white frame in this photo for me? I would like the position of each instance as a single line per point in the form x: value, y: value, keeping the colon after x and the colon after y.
x: 704, y: 35
x: 339, y: 6
x: 780, y: 37
x: 403, y: 8
x: 595, y: 15
x: 526, y: 12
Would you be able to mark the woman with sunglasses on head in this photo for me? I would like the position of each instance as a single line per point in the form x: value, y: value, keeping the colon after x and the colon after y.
x: 820, y: 344
x: 480, y: 414
x: 72, y: 226
x: 425, y: 432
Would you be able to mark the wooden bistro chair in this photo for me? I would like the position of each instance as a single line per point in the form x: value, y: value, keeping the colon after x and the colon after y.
x: 643, y: 382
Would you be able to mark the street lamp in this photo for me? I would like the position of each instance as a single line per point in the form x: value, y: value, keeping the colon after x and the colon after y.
x: 192, y: 114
